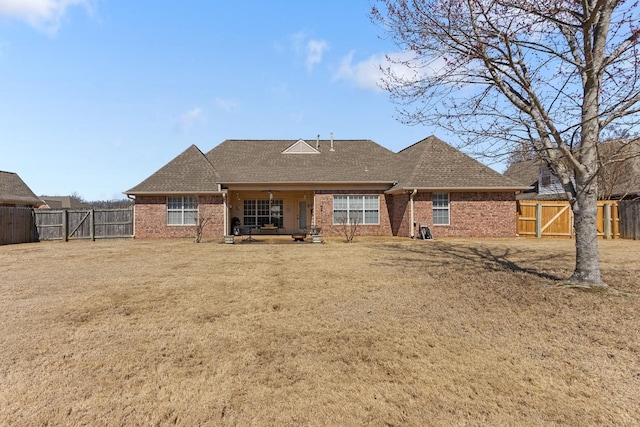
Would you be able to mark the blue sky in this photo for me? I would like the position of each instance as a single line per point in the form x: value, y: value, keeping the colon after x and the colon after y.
x: 96, y: 95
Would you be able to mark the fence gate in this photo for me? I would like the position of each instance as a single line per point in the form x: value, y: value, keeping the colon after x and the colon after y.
x: 554, y: 219
x: 84, y: 224
x: 629, y: 211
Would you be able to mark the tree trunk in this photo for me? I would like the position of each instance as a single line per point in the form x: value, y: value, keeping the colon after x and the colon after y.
x: 585, y: 210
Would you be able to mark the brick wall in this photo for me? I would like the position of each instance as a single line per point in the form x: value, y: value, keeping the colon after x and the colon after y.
x: 472, y: 214
x: 151, y: 218
x: 323, y: 203
x: 476, y: 214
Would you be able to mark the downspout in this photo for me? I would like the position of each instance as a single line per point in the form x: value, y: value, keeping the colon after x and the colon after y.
x: 413, y: 224
x: 133, y: 228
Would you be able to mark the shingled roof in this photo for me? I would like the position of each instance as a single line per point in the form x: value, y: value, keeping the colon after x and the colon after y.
x: 266, y: 161
x: 189, y: 173
x: 432, y: 164
x: 13, y: 191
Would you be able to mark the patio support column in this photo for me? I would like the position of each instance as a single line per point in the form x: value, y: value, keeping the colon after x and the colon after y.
x: 225, y: 215
x: 313, y: 208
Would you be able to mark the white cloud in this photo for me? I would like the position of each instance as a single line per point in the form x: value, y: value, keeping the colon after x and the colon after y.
x: 225, y: 104
x: 44, y: 15
x: 368, y: 75
x: 315, y: 49
x: 365, y: 74
x: 190, y: 118
x: 311, y: 49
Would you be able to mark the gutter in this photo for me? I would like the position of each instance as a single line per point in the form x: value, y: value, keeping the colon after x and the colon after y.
x: 177, y: 193
x: 454, y: 189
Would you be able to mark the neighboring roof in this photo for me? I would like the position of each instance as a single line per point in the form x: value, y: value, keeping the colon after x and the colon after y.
x: 62, y: 202
x: 617, y: 179
x: 526, y: 171
x: 432, y: 164
x: 189, y: 173
x: 13, y: 191
x: 264, y: 161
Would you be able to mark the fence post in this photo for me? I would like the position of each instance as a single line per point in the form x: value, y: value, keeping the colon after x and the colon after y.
x: 65, y: 223
x: 92, y: 225
x: 538, y: 220
x: 607, y: 220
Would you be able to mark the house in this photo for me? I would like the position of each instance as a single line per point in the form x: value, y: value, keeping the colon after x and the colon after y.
x: 618, y: 179
x: 542, y: 184
x: 14, y: 192
x: 61, y: 202
x: 292, y: 185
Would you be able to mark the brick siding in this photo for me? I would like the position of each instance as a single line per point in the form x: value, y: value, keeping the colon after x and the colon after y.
x: 471, y: 214
x: 323, y: 203
x: 151, y: 218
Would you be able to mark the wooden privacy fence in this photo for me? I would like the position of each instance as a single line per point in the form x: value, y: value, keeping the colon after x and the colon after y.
x: 554, y: 219
x: 17, y: 225
x: 84, y: 224
x: 629, y: 212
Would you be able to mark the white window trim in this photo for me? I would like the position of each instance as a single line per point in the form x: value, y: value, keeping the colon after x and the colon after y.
x: 274, y: 202
x: 183, y: 211
x: 377, y: 196
x: 448, y: 209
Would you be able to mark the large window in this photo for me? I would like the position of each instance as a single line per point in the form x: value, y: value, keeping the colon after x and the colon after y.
x: 363, y: 209
x: 182, y: 210
x: 440, y: 208
x: 261, y: 212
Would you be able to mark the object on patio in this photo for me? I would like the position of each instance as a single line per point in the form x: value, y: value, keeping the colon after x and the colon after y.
x: 235, y: 226
x: 299, y: 237
x: 425, y: 232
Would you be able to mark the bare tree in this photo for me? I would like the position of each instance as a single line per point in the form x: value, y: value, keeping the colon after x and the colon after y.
x: 201, y: 221
x: 555, y: 76
x: 349, y: 227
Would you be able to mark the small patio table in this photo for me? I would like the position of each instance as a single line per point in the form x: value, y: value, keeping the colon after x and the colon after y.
x: 247, y: 230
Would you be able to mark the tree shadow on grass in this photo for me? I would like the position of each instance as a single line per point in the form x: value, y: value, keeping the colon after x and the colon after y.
x: 480, y: 258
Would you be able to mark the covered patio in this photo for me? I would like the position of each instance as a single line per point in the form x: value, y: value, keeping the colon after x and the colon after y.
x: 261, y: 212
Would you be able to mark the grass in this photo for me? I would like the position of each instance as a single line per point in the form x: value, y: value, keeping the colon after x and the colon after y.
x: 380, y: 332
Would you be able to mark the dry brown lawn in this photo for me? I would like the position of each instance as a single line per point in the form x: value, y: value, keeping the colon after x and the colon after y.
x: 380, y: 332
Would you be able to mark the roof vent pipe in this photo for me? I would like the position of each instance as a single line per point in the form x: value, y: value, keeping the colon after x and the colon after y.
x: 318, y: 142
x: 332, y: 142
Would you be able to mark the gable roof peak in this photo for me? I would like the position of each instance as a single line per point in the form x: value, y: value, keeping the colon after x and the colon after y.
x: 300, y: 147
x: 190, y: 172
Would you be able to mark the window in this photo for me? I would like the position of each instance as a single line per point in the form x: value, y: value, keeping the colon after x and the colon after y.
x: 256, y: 212
x: 363, y: 209
x: 182, y: 210
x: 440, y: 208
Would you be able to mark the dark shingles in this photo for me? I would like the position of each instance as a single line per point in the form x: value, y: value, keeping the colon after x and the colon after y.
x: 13, y: 190
x: 263, y: 161
x: 525, y: 171
x: 189, y: 172
x: 432, y: 164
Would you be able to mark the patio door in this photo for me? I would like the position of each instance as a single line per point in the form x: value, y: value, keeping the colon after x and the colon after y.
x: 302, y: 214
